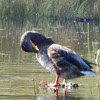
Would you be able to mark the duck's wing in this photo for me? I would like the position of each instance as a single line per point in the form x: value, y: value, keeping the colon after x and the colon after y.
x: 63, y: 55
x: 89, y: 63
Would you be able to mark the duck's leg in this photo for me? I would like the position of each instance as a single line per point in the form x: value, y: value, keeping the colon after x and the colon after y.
x: 56, y: 82
x: 64, y: 81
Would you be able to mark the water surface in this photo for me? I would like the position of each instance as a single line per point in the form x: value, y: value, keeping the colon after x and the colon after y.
x: 20, y: 73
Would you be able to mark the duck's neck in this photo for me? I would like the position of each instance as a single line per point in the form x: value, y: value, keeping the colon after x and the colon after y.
x: 44, y: 43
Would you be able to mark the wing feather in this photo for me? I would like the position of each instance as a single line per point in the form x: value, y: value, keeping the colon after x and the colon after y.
x: 63, y: 56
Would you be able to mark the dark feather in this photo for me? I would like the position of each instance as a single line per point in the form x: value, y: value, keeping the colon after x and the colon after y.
x: 89, y: 63
x: 57, y: 52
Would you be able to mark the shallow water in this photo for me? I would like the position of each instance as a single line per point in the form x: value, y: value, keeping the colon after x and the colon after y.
x: 20, y: 73
x: 22, y: 82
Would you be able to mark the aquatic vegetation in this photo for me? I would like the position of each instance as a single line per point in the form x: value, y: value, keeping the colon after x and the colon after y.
x: 19, y: 9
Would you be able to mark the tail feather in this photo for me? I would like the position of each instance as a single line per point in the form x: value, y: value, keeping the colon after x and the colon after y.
x: 89, y: 63
x: 88, y: 73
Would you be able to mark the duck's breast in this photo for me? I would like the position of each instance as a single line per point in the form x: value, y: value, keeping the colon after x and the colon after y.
x: 47, y: 63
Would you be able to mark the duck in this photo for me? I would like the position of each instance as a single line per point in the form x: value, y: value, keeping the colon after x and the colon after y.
x: 57, y: 59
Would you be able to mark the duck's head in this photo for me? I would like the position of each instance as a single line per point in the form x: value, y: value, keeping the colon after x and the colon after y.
x: 32, y: 41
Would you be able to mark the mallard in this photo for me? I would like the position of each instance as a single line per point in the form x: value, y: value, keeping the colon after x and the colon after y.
x: 59, y: 60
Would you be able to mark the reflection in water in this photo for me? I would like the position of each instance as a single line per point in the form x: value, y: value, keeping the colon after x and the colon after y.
x: 63, y: 95
x: 66, y: 96
x: 60, y: 92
